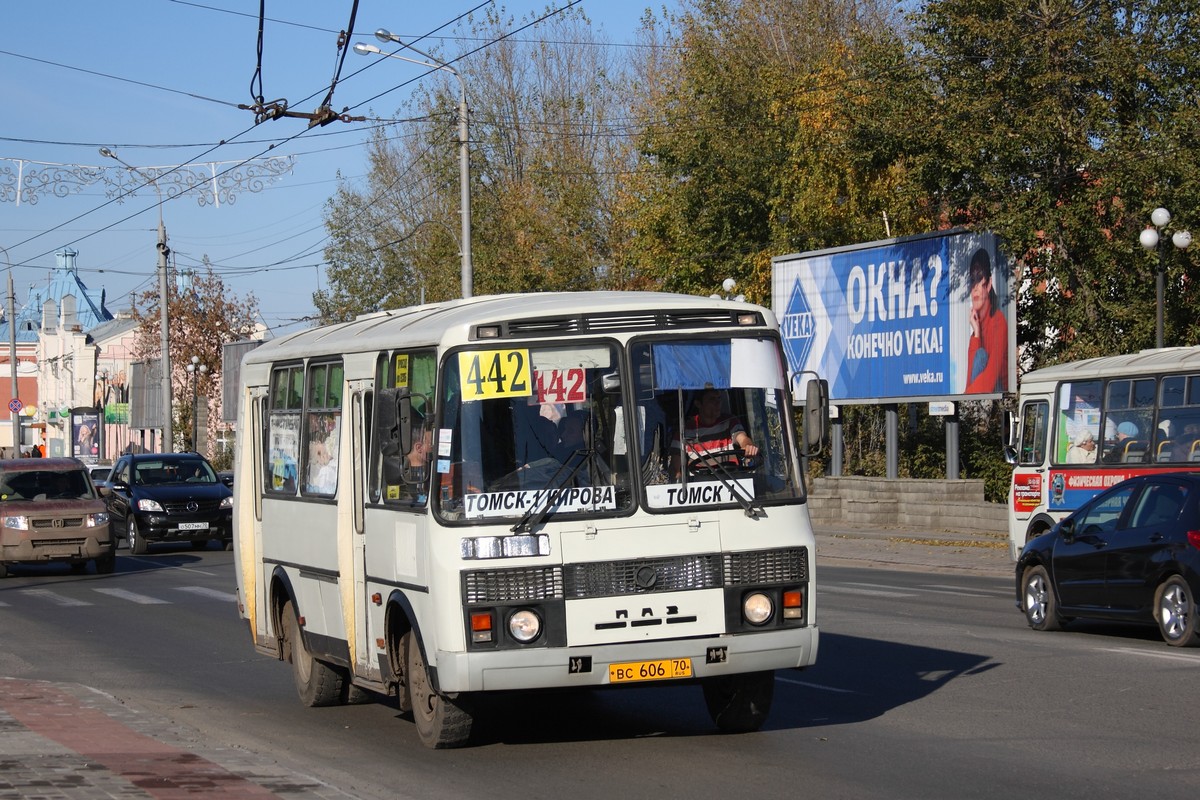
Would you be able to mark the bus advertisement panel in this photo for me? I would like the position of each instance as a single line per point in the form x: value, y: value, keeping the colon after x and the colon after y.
x: 922, y: 317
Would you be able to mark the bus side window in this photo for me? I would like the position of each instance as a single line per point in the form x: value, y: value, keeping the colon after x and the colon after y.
x: 1034, y: 427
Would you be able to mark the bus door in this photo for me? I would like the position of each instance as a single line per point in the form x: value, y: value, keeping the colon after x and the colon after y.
x: 359, y: 634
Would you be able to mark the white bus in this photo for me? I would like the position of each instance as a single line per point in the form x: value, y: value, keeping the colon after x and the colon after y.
x: 1087, y: 425
x: 489, y: 494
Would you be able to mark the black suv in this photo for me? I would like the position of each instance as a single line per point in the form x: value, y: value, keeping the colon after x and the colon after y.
x: 169, y: 497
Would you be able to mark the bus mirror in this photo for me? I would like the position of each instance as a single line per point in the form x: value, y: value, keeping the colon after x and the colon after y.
x: 393, y: 430
x: 611, y: 383
x: 816, y: 413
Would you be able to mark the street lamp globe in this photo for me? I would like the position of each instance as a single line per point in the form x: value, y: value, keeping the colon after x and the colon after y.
x: 1160, y: 217
x: 1149, y: 238
x: 1182, y: 239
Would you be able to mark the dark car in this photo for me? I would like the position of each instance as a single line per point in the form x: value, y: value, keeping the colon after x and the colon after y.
x: 169, y: 497
x: 49, y: 511
x: 1131, y: 554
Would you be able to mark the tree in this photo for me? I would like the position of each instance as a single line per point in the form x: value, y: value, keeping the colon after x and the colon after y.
x: 546, y: 155
x: 1059, y: 124
x: 203, y: 315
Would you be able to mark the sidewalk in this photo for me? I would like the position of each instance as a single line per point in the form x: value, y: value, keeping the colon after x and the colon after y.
x: 907, y: 549
x: 67, y: 741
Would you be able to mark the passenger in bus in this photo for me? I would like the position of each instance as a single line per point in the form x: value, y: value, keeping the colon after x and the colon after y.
x: 711, y: 435
x: 1083, y: 449
x: 322, y: 467
x: 572, y: 436
x: 1126, y: 434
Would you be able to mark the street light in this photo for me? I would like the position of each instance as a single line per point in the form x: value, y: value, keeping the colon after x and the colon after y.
x: 164, y: 336
x: 196, y: 369
x: 1150, y: 240
x: 464, y: 162
x: 12, y: 358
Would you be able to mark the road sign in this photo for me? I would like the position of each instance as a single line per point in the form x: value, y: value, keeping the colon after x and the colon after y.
x: 14, y: 405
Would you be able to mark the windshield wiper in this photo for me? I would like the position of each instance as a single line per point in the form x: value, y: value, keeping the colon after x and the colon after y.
x: 726, y: 478
x: 534, y: 517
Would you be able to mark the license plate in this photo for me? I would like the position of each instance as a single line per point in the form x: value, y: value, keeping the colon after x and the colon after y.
x: 661, y: 670
x: 193, y: 526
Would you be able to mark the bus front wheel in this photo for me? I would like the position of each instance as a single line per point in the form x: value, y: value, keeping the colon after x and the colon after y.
x: 739, y: 703
x: 317, y: 683
x: 442, y: 722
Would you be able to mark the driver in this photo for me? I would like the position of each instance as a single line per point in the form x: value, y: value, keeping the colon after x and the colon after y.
x: 711, y: 435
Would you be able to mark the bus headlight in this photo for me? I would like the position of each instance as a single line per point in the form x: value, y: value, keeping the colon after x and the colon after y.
x: 524, y: 625
x: 757, y: 608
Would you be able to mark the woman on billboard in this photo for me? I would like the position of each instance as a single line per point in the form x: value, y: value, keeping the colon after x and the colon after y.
x: 987, y: 353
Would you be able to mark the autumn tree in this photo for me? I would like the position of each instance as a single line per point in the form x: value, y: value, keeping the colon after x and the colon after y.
x: 202, y: 315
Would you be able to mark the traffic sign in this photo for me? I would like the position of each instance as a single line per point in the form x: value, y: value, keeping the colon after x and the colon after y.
x: 14, y: 405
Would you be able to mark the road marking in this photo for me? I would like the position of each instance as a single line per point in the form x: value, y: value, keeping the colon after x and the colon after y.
x: 133, y: 597
x: 1169, y: 656
x: 204, y: 591
x: 816, y: 686
x: 161, y: 566
x: 55, y: 597
x: 862, y: 592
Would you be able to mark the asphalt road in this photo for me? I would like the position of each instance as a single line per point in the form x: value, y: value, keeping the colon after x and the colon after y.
x: 928, y: 685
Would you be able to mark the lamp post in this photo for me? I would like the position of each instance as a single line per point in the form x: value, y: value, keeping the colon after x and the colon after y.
x: 163, y: 299
x: 728, y: 285
x: 196, y: 369
x: 1150, y: 239
x: 12, y: 357
x: 464, y: 162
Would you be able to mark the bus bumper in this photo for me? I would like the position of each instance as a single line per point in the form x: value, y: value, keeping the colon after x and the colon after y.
x: 543, y: 668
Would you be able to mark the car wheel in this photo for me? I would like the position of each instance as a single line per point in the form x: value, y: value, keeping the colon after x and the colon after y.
x: 317, y: 683
x: 3, y: 570
x: 442, y: 722
x: 78, y: 567
x: 227, y: 545
x: 1037, y: 600
x: 739, y: 703
x: 1175, y: 611
x: 106, y: 563
x: 137, y: 543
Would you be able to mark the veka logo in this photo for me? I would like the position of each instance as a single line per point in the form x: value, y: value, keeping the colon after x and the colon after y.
x: 798, y: 327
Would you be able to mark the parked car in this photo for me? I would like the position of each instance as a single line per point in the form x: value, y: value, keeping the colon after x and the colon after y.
x: 51, y: 512
x: 1131, y: 554
x: 169, y: 497
x: 100, y: 478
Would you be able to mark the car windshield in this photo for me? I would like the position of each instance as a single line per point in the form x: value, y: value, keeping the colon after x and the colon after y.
x: 159, y: 471
x: 45, y: 485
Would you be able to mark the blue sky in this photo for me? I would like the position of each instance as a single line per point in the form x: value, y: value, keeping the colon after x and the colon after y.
x: 158, y: 81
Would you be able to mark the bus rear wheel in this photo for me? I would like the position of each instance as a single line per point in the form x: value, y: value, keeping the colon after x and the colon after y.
x: 739, y: 703
x: 317, y: 683
x: 442, y: 722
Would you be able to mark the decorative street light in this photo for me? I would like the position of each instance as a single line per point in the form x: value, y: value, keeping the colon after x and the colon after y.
x: 1150, y: 240
x: 196, y: 369
x: 164, y: 336
x: 728, y: 285
x: 464, y: 161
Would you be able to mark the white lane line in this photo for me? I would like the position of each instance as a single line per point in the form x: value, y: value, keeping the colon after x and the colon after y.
x: 1168, y: 656
x: 861, y: 592
x: 160, y: 566
x: 966, y: 589
x: 54, y: 597
x: 815, y: 686
x: 204, y: 591
x: 133, y: 597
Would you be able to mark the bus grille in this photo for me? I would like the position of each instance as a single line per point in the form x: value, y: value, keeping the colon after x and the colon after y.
x: 767, y: 566
x: 508, y: 585
x: 639, y: 576
x: 609, y: 578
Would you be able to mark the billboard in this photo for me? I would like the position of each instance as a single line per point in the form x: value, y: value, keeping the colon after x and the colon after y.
x: 918, y: 318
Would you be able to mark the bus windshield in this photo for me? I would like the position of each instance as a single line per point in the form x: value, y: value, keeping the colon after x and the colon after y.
x: 709, y: 422
x: 531, y: 430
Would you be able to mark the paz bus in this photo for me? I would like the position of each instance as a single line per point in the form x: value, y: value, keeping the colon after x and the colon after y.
x: 488, y: 495
x: 1087, y: 425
